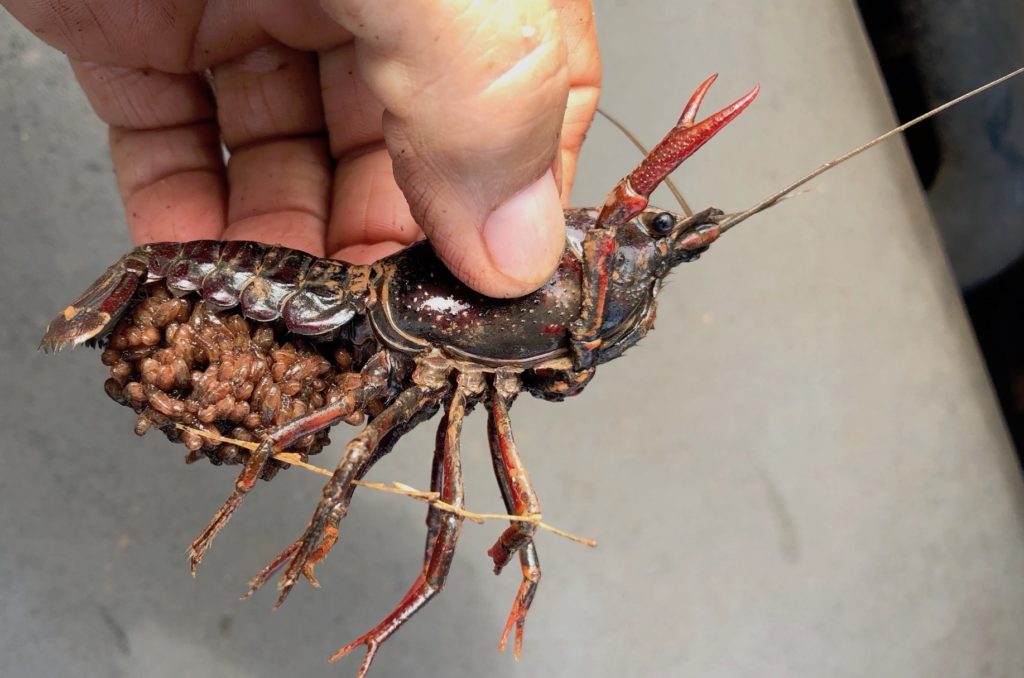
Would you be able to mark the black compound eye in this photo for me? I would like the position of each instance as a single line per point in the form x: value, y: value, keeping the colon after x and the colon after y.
x: 662, y: 223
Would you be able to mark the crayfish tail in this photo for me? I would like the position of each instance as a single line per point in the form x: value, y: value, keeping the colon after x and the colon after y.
x: 94, y: 313
x: 73, y: 327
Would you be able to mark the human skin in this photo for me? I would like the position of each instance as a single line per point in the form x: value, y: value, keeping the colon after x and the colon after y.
x: 352, y: 127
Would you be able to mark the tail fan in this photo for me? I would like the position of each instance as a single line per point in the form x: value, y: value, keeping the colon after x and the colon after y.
x: 94, y: 313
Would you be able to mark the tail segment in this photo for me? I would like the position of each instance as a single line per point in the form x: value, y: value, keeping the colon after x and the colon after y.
x: 94, y: 313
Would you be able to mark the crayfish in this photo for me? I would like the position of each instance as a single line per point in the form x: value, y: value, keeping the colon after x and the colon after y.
x: 406, y: 338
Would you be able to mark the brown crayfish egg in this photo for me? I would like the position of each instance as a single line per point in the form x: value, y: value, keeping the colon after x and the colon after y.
x: 178, y: 361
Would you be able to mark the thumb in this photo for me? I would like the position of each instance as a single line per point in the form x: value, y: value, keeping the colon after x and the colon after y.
x: 474, y: 93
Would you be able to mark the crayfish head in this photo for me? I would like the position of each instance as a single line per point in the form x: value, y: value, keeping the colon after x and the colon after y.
x: 677, y: 238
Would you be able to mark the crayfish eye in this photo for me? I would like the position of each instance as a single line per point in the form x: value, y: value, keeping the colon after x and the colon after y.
x: 662, y: 223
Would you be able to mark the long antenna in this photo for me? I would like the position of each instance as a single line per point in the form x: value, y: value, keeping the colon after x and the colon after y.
x: 771, y: 200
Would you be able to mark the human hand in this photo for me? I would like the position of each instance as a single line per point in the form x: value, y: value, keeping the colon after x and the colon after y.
x: 347, y: 122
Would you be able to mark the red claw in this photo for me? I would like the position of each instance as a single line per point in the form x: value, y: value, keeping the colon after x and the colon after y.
x: 690, y: 110
x: 631, y: 195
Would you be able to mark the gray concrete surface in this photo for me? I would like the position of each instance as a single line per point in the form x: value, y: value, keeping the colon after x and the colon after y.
x: 801, y: 472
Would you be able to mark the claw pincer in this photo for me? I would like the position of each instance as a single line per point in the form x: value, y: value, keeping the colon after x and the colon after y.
x: 631, y: 195
x: 274, y: 346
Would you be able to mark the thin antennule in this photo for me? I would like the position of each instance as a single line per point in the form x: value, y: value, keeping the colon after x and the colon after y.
x: 774, y: 198
x: 685, y: 206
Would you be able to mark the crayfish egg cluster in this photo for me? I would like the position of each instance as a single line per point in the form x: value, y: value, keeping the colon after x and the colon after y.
x: 179, y: 361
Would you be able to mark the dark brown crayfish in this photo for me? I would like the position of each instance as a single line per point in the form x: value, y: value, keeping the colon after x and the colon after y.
x: 427, y: 342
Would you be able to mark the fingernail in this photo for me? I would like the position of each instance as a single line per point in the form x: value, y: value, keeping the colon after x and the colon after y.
x: 525, y: 236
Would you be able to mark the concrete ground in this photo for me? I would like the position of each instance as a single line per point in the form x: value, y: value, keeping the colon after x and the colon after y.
x: 801, y: 472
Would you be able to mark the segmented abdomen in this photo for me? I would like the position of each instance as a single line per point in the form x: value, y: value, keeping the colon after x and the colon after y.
x: 311, y: 296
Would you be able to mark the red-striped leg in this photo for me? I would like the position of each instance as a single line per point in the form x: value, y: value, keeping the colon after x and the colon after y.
x: 367, y: 385
x: 246, y: 480
x: 530, y: 566
x: 337, y: 493
x: 520, y: 499
x: 432, y: 579
x: 330, y: 533
x: 434, y: 513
